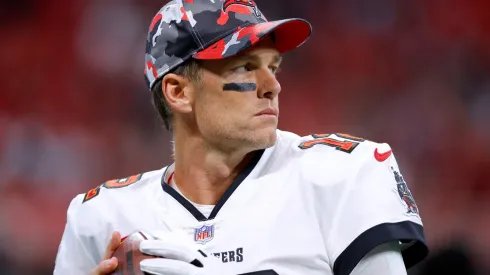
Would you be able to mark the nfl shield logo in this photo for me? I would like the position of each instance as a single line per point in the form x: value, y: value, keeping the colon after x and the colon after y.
x: 204, y: 234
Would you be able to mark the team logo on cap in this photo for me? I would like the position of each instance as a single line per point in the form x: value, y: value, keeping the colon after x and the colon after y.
x: 204, y: 234
x: 250, y: 3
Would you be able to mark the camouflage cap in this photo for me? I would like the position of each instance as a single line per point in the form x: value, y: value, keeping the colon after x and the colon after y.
x: 212, y: 29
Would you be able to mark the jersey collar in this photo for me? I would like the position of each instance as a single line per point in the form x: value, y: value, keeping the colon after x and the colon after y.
x: 248, y: 171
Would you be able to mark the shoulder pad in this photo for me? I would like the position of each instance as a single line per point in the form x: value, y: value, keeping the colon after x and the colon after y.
x: 343, y: 144
x: 338, y: 154
x: 135, y: 181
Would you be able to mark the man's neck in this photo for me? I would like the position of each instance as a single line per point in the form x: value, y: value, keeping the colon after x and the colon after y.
x: 202, y: 173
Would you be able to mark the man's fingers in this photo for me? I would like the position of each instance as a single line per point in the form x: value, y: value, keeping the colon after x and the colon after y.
x: 105, y: 267
x: 109, y: 263
x: 112, y: 245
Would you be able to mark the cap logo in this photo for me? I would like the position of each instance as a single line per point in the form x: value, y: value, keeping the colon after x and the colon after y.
x: 249, y: 3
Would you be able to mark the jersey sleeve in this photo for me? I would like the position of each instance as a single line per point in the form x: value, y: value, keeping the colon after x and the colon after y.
x: 76, y: 253
x: 372, y: 206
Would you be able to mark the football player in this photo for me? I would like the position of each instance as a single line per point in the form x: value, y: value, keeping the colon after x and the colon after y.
x: 241, y: 196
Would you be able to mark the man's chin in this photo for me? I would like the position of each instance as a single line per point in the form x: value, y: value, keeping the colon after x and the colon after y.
x: 266, y: 138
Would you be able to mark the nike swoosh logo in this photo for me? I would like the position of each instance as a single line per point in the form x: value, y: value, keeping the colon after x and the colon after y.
x: 381, y: 156
x: 124, y: 238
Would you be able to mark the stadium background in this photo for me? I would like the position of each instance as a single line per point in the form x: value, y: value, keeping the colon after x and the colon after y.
x: 414, y: 73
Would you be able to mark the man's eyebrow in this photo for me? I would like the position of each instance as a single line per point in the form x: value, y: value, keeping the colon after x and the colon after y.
x: 277, y: 59
x: 251, y: 57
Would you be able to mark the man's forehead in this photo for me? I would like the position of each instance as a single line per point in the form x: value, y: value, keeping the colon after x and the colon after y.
x: 261, y: 54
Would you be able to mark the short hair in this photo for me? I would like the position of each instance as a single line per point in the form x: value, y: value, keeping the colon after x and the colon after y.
x: 190, y: 70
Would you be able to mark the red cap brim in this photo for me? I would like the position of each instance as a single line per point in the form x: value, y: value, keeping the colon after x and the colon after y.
x: 288, y: 34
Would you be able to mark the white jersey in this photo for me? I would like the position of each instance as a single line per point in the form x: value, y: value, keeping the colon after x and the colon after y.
x: 309, y: 205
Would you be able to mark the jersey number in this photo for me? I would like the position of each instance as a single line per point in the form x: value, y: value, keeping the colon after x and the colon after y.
x: 110, y: 185
x: 347, y: 144
x: 122, y: 182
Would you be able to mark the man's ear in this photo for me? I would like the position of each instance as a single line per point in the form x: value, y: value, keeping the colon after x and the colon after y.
x: 178, y: 92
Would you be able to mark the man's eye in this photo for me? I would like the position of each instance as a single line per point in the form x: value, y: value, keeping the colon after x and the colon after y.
x: 274, y: 70
x: 242, y: 69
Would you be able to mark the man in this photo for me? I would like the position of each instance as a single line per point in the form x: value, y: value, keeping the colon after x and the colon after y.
x: 260, y: 200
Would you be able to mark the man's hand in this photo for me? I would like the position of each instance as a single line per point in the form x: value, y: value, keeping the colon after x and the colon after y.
x: 108, y: 263
x: 178, y: 257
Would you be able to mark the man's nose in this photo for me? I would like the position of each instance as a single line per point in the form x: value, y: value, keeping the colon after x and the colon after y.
x: 268, y: 85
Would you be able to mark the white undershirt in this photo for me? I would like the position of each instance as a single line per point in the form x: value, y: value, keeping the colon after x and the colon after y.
x: 204, y: 209
x: 385, y: 259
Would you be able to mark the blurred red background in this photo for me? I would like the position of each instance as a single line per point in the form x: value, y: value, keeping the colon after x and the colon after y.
x: 74, y: 110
